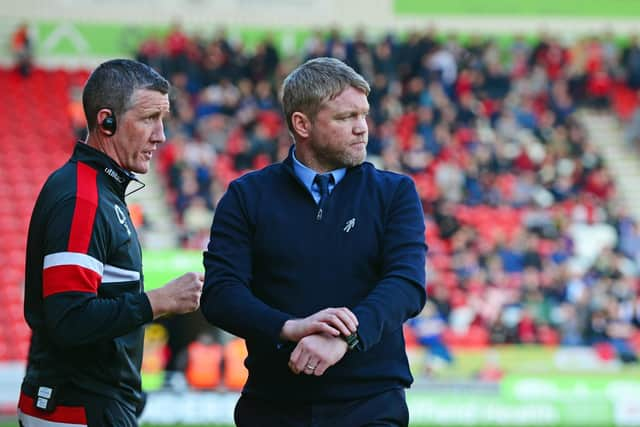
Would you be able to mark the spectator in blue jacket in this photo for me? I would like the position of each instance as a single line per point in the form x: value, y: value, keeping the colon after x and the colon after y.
x: 317, y: 262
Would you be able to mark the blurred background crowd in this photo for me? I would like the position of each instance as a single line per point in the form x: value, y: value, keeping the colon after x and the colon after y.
x: 528, y: 242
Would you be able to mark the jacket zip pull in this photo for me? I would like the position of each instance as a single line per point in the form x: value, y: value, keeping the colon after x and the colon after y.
x: 319, y: 215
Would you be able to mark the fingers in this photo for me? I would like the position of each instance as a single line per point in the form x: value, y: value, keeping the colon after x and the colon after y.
x: 301, y: 361
x: 305, y: 365
x: 320, y: 327
x: 341, y: 319
x: 192, y: 277
x: 193, y: 289
x: 354, y: 319
x: 188, y: 292
x: 330, y: 321
x: 314, y: 354
x: 321, y: 367
x: 179, y: 296
x: 294, y: 358
x: 310, y: 366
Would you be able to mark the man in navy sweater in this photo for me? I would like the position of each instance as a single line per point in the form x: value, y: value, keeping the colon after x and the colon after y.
x: 317, y: 262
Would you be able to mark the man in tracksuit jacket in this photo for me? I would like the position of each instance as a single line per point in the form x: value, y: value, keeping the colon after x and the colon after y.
x: 84, y: 293
x: 317, y: 262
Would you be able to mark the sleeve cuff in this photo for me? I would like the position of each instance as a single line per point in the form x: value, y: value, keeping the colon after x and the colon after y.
x: 145, y: 312
x: 365, y: 330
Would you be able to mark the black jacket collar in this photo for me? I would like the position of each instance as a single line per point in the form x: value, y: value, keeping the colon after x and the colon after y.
x: 118, y: 179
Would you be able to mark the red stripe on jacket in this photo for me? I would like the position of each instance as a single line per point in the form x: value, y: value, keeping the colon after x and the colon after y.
x: 62, y: 414
x: 69, y: 278
x: 84, y: 212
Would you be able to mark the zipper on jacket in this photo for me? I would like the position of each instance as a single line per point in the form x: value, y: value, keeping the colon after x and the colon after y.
x: 319, y: 214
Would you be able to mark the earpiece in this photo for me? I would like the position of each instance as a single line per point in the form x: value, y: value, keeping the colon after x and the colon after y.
x: 109, y: 124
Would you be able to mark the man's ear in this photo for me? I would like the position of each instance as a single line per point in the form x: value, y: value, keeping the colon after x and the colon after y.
x: 106, y: 121
x: 301, y: 124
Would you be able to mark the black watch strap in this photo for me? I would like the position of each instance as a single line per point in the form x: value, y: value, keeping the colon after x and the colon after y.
x: 352, y: 340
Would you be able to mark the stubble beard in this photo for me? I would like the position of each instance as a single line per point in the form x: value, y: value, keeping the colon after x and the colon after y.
x: 345, y: 158
x: 350, y: 159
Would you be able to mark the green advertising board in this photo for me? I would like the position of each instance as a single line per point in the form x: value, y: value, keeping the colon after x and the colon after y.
x: 161, y: 266
x: 525, y: 400
x: 87, y: 39
x: 530, y: 8
x: 541, y: 386
x: 477, y: 410
x: 570, y: 388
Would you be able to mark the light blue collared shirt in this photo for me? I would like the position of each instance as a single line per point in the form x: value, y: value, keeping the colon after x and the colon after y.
x: 307, y: 175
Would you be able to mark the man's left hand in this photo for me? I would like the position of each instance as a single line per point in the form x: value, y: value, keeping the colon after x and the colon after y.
x: 314, y: 354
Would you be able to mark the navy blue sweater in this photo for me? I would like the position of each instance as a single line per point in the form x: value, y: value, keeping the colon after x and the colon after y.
x: 270, y: 259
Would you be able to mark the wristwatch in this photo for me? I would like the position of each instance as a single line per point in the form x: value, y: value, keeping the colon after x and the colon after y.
x: 352, y: 341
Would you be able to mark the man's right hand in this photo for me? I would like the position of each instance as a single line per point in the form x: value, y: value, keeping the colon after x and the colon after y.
x: 181, y: 295
x: 332, y: 321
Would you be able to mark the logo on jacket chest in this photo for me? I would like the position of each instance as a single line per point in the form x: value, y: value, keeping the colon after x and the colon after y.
x: 349, y: 225
x: 113, y: 174
x: 122, y: 218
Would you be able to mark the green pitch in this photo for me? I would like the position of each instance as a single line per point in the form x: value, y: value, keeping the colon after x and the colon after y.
x: 511, y: 359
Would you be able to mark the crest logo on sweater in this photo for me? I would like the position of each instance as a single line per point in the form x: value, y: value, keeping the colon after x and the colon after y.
x: 349, y: 225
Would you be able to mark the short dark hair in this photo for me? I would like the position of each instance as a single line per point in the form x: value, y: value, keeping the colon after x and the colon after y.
x: 316, y: 81
x: 112, y: 84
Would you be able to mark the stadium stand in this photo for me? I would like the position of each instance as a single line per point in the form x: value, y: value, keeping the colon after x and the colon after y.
x: 527, y: 243
x: 36, y: 137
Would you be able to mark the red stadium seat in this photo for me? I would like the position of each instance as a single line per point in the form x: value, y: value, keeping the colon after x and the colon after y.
x: 476, y: 337
x: 30, y: 115
x: 634, y: 341
x: 440, y: 262
x: 410, y: 339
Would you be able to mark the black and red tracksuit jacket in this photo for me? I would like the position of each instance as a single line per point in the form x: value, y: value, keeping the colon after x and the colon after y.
x: 84, y: 298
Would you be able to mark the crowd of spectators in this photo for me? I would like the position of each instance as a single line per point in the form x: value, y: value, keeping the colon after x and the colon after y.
x: 527, y: 240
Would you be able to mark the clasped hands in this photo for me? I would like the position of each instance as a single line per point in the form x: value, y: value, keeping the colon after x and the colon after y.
x: 318, y: 337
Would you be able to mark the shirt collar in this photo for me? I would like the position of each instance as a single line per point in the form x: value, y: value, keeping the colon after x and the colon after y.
x: 307, y: 175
